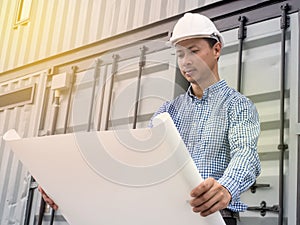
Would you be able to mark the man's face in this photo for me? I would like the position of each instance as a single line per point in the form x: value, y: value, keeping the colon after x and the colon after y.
x: 197, y: 60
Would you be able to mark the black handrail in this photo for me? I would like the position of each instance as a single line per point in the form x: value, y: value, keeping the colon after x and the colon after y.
x: 242, y: 34
x: 284, y: 24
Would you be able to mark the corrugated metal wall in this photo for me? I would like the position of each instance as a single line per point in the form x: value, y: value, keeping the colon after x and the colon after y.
x: 261, y: 83
x: 25, y: 118
x: 57, y: 26
x: 160, y: 82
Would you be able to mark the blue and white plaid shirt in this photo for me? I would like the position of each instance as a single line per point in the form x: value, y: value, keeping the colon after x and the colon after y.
x: 220, y: 131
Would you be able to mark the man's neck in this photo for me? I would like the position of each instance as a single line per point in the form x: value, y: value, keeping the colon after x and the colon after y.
x: 198, y: 89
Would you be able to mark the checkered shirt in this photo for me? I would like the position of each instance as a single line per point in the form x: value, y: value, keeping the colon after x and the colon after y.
x: 220, y: 131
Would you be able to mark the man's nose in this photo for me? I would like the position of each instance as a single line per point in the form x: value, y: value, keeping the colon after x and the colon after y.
x: 186, y: 60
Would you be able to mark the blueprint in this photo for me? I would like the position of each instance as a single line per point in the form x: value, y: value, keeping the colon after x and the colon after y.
x: 116, y: 177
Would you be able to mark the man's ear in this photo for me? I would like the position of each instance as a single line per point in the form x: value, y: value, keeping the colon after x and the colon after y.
x: 217, y: 50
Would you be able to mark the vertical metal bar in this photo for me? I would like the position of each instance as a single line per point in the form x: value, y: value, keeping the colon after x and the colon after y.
x: 298, y: 136
x: 298, y: 176
x: 32, y: 187
x: 41, y: 211
x: 52, y: 132
x: 242, y: 34
x: 73, y: 76
x: 52, y: 216
x: 137, y: 97
x: 102, y: 99
x: 96, y: 73
x: 282, y: 146
x: 113, y: 73
x: 55, y: 113
x: 65, y: 124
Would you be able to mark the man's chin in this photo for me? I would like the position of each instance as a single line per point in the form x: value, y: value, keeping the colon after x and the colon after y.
x: 190, y: 78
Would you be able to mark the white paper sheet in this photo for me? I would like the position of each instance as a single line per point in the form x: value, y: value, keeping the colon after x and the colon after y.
x: 141, y: 176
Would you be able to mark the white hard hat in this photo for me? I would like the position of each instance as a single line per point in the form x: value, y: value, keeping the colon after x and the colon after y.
x: 194, y: 25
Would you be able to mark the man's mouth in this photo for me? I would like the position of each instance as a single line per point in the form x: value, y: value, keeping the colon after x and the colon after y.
x: 189, y: 72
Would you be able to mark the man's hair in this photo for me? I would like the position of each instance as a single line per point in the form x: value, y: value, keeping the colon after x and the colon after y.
x: 211, y: 41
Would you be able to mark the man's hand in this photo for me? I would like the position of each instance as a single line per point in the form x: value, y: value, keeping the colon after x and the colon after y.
x: 46, y: 198
x: 209, y: 197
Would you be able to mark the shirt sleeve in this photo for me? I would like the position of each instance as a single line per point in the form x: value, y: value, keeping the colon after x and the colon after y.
x: 244, y: 165
x: 162, y: 109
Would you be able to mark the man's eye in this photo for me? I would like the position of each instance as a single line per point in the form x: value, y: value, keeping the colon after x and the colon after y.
x: 180, y: 55
x: 195, y: 51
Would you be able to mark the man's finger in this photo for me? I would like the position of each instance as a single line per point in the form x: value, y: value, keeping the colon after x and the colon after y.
x: 202, y: 187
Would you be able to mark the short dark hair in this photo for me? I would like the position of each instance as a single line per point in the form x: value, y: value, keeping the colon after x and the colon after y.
x: 211, y: 41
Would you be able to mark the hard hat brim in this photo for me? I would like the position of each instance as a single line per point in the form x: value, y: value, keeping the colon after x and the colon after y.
x: 218, y: 38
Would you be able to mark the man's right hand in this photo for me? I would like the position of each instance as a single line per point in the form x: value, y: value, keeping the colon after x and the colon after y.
x: 46, y: 198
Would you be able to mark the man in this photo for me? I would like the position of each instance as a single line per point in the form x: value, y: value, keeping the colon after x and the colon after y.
x: 219, y: 126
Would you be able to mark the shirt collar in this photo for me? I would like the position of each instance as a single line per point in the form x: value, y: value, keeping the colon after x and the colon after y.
x: 210, y: 91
